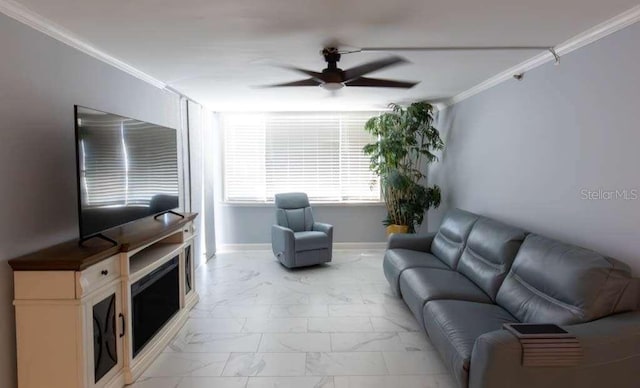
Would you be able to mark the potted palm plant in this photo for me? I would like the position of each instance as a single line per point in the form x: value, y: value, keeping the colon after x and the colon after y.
x: 406, y: 142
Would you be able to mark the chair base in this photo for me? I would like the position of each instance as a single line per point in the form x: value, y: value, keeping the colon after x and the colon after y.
x: 305, y: 258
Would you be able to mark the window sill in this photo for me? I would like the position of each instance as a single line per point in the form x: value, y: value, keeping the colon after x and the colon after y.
x: 313, y: 204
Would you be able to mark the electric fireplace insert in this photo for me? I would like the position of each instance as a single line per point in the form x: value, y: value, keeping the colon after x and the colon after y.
x: 155, y: 299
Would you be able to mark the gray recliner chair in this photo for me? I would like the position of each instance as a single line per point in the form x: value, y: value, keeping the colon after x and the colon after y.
x: 296, y: 240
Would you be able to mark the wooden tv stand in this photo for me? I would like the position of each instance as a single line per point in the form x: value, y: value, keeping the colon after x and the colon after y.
x: 73, y: 304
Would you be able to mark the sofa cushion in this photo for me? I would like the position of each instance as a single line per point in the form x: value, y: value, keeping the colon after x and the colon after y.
x: 454, y: 325
x: 489, y: 253
x: 420, y: 285
x: 449, y: 242
x: 397, y: 260
x: 308, y: 241
x: 553, y: 282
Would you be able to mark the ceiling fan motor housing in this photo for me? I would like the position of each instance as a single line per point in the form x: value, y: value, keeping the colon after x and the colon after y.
x: 332, y: 74
x: 332, y: 56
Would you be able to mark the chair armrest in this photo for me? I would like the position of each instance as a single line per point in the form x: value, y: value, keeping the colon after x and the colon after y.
x: 324, y: 228
x: 283, y: 244
x: 414, y: 242
x: 611, y: 355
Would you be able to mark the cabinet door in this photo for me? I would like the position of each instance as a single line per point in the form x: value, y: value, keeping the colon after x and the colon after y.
x: 107, y: 328
x: 188, y: 269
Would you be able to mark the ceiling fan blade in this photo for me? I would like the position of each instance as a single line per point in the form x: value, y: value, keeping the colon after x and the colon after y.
x: 304, y: 82
x: 312, y: 74
x: 361, y: 70
x: 380, y: 83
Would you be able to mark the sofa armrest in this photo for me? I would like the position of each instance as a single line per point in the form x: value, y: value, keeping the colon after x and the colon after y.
x: 283, y: 244
x: 611, y: 350
x: 414, y: 242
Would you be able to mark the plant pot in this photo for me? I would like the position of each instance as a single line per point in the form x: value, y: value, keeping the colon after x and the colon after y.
x: 393, y: 228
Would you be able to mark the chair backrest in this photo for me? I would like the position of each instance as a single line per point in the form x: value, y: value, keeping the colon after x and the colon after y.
x: 294, y: 212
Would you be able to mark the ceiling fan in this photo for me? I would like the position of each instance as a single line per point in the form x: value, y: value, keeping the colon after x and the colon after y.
x: 334, y: 78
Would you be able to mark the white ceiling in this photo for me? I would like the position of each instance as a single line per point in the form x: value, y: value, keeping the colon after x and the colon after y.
x: 214, y: 51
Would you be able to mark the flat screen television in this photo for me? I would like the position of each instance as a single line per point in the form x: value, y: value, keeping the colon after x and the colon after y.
x: 127, y: 169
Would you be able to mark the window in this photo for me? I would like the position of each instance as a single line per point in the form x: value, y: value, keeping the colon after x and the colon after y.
x: 319, y: 153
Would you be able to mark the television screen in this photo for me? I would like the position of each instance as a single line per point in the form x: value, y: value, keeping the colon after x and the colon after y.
x: 127, y: 169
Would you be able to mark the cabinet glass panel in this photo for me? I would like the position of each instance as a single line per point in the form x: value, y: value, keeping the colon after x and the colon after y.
x: 187, y: 269
x: 105, y: 355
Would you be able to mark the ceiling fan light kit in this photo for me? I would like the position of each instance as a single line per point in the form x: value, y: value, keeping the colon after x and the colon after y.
x: 331, y: 86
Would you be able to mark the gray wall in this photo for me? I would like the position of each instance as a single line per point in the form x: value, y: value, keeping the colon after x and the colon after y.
x: 252, y: 224
x: 40, y: 81
x: 523, y: 152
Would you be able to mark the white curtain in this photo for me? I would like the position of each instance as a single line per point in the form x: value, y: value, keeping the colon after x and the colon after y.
x: 195, y: 123
x: 208, y: 148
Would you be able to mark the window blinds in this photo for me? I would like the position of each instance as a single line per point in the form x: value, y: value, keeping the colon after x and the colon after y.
x: 152, y: 158
x: 104, y: 178
x: 319, y: 153
x: 125, y: 162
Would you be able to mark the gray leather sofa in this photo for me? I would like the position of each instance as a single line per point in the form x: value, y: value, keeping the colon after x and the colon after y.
x: 297, y: 240
x: 464, y: 281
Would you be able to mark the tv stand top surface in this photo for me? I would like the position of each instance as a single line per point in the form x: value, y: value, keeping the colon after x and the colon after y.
x: 71, y: 256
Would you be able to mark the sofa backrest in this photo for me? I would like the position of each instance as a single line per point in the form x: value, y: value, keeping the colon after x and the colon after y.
x: 452, y: 236
x: 294, y: 212
x: 489, y: 253
x: 553, y: 282
x: 630, y: 300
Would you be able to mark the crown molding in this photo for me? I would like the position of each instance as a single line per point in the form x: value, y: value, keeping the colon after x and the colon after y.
x: 26, y: 16
x: 598, y: 32
x: 32, y: 19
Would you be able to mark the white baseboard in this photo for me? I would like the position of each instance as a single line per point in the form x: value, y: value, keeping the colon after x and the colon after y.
x: 360, y: 245
x: 267, y: 246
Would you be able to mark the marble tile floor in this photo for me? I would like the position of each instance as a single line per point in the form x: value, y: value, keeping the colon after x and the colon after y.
x: 259, y: 324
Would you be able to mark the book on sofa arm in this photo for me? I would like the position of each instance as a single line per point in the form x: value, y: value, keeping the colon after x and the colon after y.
x: 536, y: 330
x: 546, y: 345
